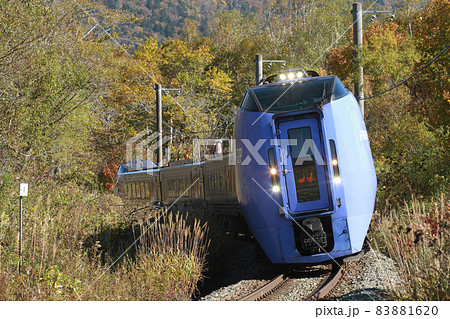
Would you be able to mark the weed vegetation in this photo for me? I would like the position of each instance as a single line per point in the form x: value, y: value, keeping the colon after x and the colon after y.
x: 78, y: 245
x: 417, y: 237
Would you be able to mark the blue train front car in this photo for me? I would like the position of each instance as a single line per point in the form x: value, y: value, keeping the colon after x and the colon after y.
x: 305, y: 177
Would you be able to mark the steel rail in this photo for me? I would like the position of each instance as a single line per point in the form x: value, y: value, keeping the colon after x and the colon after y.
x: 267, y: 289
x: 328, y: 283
x: 323, y: 289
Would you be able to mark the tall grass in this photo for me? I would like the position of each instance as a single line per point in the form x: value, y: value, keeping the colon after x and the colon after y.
x: 417, y: 237
x: 72, y: 239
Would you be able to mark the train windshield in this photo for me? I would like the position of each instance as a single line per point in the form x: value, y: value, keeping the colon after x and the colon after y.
x: 298, y: 95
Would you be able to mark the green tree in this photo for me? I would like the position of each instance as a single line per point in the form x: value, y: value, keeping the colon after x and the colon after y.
x: 52, y: 72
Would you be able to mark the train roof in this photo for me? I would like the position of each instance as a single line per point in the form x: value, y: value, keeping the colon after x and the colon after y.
x: 292, y: 91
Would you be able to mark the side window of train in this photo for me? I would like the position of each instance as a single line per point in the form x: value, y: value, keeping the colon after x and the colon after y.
x: 132, y: 192
x: 150, y: 184
x: 339, y: 89
x: 143, y: 190
x: 147, y: 189
x: 136, y: 190
x: 249, y: 104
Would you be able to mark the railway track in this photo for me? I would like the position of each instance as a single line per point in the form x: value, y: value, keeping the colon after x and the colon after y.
x: 282, y: 283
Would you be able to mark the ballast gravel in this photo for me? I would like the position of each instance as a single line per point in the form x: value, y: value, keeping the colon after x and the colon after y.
x: 370, y: 278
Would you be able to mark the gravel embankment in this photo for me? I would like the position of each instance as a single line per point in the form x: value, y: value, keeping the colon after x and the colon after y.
x: 370, y: 278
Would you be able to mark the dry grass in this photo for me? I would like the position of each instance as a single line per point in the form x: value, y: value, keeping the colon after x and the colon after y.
x: 417, y: 237
x: 72, y: 240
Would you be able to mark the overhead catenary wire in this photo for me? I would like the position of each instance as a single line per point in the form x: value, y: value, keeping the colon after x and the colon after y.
x: 411, y: 76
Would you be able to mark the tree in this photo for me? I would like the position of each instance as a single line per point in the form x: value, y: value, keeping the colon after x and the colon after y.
x: 409, y: 153
x: 52, y: 72
x: 178, y: 64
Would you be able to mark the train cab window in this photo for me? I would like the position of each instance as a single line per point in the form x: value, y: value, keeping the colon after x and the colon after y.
x: 339, y: 89
x: 298, y: 95
x: 249, y: 104
x: 304, y: 165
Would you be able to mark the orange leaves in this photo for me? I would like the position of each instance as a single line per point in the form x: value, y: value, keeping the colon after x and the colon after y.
x: 339, y: 61
x: 431, y: 30
x: 432, y: 26
x: 109, y: 172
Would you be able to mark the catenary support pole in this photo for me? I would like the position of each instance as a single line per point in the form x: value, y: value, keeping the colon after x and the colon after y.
x: 159, y: 123
x: 357, y: 50
x: 258, y: 69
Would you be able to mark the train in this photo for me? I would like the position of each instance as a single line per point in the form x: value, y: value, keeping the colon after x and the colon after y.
x: 300, y: 171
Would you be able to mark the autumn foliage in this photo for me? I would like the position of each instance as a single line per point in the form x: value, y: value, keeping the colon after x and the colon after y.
x: 408, y: 126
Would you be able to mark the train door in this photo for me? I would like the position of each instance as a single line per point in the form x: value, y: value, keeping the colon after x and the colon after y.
x: 304, y: 165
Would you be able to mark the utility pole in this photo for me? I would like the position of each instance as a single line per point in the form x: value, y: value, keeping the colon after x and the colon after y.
x: 259, y: 69
x: 358, y: 46
x: 171, y: 140
x: 159, y: 123
x: 357, y: 50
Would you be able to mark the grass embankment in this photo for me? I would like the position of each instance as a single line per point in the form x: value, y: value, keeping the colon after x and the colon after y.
x: 72, y: 240
x: 417, y: 237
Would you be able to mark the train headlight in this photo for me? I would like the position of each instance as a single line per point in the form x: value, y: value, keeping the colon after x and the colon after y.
x: 273, y: 171
x: 291, y: 74
x: 334, y: 162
